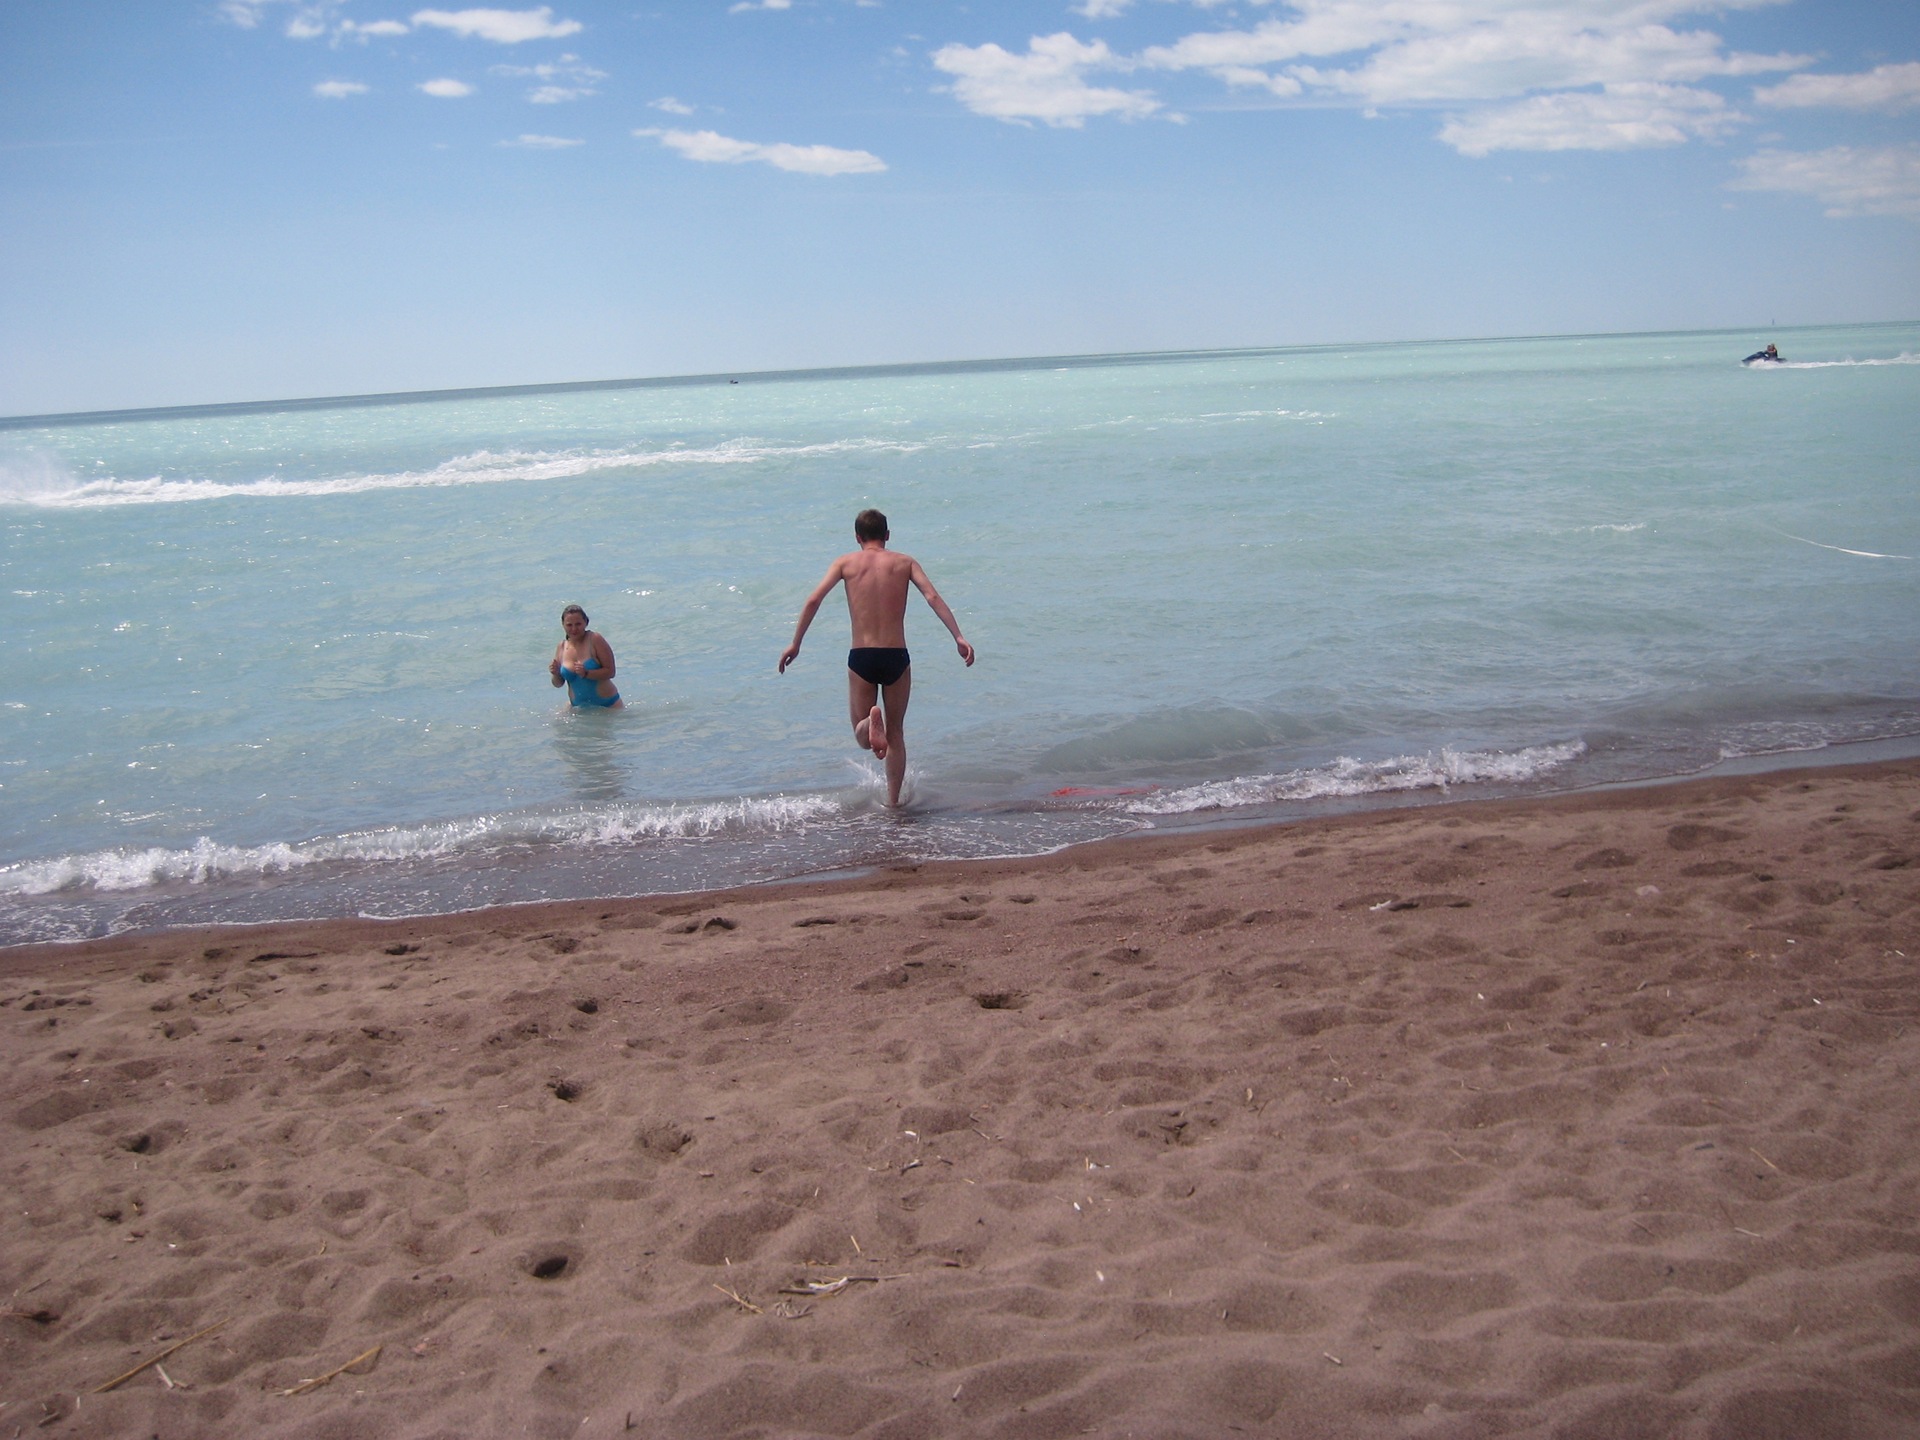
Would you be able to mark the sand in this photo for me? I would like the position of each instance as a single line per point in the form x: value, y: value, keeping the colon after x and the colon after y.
x: 1589, y: 1116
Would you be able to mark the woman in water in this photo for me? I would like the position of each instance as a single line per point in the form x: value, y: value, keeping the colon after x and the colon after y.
x: 583, y: 662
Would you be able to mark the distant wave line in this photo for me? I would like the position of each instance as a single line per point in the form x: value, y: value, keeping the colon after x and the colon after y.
x: 481, y: 467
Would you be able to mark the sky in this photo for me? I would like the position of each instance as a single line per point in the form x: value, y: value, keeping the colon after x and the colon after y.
x: 222, y: 200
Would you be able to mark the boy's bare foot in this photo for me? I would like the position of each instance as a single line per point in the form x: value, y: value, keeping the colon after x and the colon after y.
x: 876, y: 724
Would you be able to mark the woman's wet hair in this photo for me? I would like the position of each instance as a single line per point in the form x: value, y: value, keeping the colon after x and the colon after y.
x: 574, y: 610
x: 869, y: 525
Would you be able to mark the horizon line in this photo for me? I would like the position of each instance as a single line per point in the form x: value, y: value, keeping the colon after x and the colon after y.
x: 823, y: 372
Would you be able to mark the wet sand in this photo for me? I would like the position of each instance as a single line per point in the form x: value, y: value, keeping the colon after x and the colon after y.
x: 1582, y: 1117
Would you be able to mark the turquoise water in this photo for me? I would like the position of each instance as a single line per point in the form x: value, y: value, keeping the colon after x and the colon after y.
x: 285, y: 663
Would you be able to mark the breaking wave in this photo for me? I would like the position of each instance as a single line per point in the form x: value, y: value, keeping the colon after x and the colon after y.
x: 1347, y: 777
x: 35, y: 479
x: 208, y: 860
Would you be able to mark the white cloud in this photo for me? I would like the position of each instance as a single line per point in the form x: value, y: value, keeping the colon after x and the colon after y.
x: 1885, y: 87
x: 760, y: 5
x: 1849, y: 181
x: 1621, y: 117
x: 311, y: 20
x: 1260, y: 79
x: 566, y: 79
x: 670, y: 105
x: 716, y: 149
x: 1495, y: 61
x: 566, y: 67
x: 338, y: 89
x: 1444, y: 51
x: 1519, y: 74
x: 308, y: 22
x: 542, y: 142
x: 446, y: 89
x: 368, y: 29
x: 503, y: 27
x: 1048, y: 83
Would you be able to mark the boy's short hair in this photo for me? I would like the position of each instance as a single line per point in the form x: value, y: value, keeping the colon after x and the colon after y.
x: 869, y: 525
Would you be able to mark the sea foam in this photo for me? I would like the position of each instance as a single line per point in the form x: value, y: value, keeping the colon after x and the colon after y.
x: 1347, y: 777
x: 1905, y: 357
x: 208, y: 860
x: 33, y: 477
x: 37, y: 480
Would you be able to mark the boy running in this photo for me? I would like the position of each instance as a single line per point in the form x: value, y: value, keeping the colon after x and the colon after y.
x: 879, y: 681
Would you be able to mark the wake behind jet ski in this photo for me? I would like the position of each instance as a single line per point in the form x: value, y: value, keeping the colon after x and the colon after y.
x: 1768, y: 356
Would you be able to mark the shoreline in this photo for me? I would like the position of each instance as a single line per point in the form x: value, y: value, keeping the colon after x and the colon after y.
x: 1580, y: 1114
x: 1849, y: 755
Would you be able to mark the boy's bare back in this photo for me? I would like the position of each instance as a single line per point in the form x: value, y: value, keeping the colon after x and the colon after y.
x: 877, y: 582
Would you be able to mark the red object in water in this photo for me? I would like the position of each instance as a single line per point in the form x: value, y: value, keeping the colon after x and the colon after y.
x: 1104, y: 790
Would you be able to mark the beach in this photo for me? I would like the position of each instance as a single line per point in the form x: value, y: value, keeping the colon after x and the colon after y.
x: 1580, y: 1115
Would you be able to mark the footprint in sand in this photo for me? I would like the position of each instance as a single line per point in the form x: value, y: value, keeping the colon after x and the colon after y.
x: 1691, y: 836
x: 1609, y: 858
x: 755, y: 1011
x: 662, y: 1139
x: 1429, y: 1299
x: 1624, y: 1276
x: 737, y: 1235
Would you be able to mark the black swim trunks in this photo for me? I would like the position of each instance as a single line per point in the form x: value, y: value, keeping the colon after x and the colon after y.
x: 877, y: 666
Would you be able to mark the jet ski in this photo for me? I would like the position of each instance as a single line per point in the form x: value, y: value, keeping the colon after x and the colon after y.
x: 1768, y: 356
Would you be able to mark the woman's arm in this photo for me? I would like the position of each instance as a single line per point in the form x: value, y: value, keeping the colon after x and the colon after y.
x: 603, y: 652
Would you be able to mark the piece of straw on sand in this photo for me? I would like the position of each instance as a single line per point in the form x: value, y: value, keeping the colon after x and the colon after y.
x: 365, y: 1357
x: 120, y: 1380
x: 740, y: 1300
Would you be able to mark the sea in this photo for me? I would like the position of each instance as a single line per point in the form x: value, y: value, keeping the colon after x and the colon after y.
x: 273, y: 661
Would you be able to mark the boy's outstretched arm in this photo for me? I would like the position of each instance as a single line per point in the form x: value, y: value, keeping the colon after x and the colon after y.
x: 807, y: 612
x: 940, y: 608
